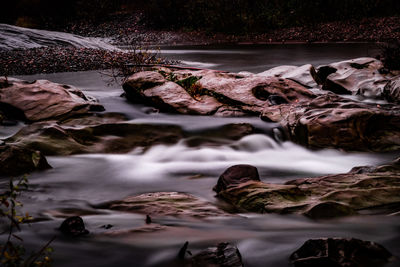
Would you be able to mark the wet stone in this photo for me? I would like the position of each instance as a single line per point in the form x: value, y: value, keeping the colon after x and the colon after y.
x: 73, y: 226
x: 340, y: 252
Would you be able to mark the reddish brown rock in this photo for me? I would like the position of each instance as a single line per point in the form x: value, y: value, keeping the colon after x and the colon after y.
x: 359, y: 76
x: 53, y: 138
x: 391, y: 92
x: 44, y: 100
x: 235, y: 175
x: 333, y: 121
x: 302, y: 75
x: 322, y: 197
x: 165, y: 204
x: 207, y: 92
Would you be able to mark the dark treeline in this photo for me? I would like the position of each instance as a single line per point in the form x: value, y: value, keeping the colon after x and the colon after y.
x: 216, y: 15
x: 259, y: 15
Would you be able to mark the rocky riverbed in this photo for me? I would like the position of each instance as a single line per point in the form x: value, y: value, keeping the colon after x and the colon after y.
x: 350, y: 105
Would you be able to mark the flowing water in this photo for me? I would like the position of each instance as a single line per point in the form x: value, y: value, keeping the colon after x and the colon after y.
x: 76, y: 182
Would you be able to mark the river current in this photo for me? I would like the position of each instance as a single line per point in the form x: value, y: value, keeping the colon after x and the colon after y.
x: 77, y: 182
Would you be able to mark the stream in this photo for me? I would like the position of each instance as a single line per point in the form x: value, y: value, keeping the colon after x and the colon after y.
x: 77, y: 182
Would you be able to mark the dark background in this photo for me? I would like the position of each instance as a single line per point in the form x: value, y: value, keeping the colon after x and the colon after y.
x: 233, y: 16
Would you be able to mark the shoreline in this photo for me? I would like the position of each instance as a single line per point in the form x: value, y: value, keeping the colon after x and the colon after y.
x: 70, y: 59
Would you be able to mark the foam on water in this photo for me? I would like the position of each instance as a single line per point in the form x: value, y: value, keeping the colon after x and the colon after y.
x: 259, y: 150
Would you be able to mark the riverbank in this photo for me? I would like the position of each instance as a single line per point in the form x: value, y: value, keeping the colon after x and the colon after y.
x: 131, y: 29
x: 66, y: 59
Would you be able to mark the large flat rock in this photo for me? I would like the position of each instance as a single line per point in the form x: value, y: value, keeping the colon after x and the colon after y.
x: 43, y: 100
x: 207, y: 92
x: 359, y: 76
x: 333, y: 121
x: 362, y: 189
x: 165, y: 204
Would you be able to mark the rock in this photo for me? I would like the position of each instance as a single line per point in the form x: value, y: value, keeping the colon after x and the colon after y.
x: 207, y: 92
x: 141, y: 81
x: 322, y: 197
x: 391, y: 92
x: 152, y: 88
x: 328, y: 210
x: 52, y: 138
x: 183, y: 251
x: 223, y: 255
x: 301, y: 75
x: 219, y: 135
x: 44, y: 100
x: 340, y: 252
x: 165, y: 204
x: 333, y: 121
x: 16, y: 160
x: 359, y: 76
x: 322, y: 73
x: 73, y: 226
x: 235, y: 175
x: 14, y: 37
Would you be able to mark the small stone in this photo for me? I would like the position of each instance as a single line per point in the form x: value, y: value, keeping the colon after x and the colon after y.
x: 148, y: 219
x: 182, y: 251
x: 107, y: 226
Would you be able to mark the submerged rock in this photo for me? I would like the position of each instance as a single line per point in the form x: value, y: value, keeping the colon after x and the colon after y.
x: 44, y: 100
x: 340, y: 252
x: 165, y: 204
x: 207, y: 92
x: 319, y: 198
x: 333, y: 121
x: 16, y: 160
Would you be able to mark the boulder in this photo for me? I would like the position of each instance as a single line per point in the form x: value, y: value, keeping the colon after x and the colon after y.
x: 109, y: 133
x: 15, y: 160
x: 333, y: 121
x: 165, y: 204
x: 301, y: 75
x: 235, y: 175
x: 223, y: 255
x: 73, y: 226
x: 391, y: 92
x: 207, y: 92
x: 322, y: 197
x: 359, y: 76
x: 52, y: 138
x: 340, y: 252
x: 44, y: 100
